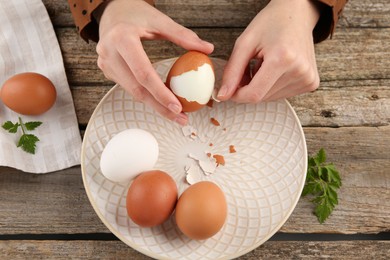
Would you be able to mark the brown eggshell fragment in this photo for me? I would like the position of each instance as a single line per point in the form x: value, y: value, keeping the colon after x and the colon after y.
x: 232, y: 149
x: 220, y: 159
x: 28, y: 93
x: 214, y: 121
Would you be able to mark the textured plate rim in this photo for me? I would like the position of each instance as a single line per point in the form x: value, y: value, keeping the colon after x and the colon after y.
x: 156, y: 256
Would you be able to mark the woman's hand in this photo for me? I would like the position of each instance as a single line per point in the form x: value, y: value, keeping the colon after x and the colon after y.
x: 280, y: 40
x: 123, y: 24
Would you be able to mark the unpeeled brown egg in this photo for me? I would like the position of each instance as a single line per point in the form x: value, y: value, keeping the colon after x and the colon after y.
x: 28, y: 93
x: 201, y: 210
x: 151, y: 198
x: 191, y: 78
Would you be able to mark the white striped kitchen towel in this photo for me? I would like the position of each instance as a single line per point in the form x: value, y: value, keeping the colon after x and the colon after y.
x: 28, y: 44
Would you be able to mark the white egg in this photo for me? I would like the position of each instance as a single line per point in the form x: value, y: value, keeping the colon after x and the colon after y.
x: 127, y: 154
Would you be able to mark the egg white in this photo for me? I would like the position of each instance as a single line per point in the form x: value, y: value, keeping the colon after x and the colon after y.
x: 195, y: 85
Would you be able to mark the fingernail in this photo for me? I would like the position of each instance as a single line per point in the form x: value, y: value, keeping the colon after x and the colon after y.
x: 222, y: 92
x: 175, y: 108
x: 181, y: 120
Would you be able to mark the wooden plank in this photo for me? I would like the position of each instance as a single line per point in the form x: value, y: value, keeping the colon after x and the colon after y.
x: 366, y: 13
x: 57, y: 203
x: 366, y: 104
x: 225, y: 13
x: 362, y: 156
x: 353, y: 54
x: 344, y: 106
x: 47, y: 203
x: 28, y: 249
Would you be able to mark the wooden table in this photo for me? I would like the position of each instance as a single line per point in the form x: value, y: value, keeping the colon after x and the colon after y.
x: 49, y: 216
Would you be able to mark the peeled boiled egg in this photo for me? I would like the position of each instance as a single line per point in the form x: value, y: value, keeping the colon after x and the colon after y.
x: 127, y: 154
x: 191, y: 78
x: 28, y: 93
x: 151, y: 198
x: 201, y: 210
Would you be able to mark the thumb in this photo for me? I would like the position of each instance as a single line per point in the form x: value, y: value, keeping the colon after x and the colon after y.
x: 236, y: 72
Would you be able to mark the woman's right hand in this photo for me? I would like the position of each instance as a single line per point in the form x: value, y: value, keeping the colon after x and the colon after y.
x: 121, y: 57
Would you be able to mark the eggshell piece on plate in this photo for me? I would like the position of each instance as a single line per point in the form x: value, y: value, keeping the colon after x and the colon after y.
x: 28, y: 93
x: 151, y: 198
x: 201, y: 210
x: 128, y: 153
x: 191, y: 78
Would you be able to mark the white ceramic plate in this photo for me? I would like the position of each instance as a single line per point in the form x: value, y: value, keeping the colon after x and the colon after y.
x: 262, y: 181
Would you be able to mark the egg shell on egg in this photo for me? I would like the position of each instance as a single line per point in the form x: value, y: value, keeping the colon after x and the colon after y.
x: 191, y: 78
x: 127, y: 154
x: 28, y: 93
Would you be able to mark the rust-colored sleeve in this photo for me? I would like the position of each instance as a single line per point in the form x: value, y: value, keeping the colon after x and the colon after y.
x: 85, y: 22
x: 82, y: 14
x: 330, y: 14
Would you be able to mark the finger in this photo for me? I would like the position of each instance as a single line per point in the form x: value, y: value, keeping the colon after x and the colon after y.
x: 283, y: 82
x: 261, y: 83
x: 234, y: 70
x: 144, y: 73
x: 295, y: 87
x: 184, y: 37
x: 286, y: 92
x: 125, y: 78
x: 303, y: 76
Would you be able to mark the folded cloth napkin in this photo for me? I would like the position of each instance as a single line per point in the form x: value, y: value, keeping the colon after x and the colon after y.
x: 28, y: 44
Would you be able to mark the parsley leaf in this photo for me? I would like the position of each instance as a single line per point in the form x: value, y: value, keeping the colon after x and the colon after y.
x: 11, y: 127
x: 32, y: 125
x: 322, y: 182
x: 27, y: 142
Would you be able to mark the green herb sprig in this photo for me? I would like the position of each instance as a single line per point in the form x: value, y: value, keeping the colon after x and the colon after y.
x: 322, y: 182
x: 26, y: 141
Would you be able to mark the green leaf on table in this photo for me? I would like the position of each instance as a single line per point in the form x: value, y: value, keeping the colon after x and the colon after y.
x: 322, y: 182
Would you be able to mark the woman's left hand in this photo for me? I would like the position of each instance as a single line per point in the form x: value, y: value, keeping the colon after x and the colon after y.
x: 280, y: 40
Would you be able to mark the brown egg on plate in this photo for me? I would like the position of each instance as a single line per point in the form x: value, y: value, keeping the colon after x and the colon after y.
x: 201, y: 210
x: 151, y: 198
x: 191, y: 78
x: 28, y: 93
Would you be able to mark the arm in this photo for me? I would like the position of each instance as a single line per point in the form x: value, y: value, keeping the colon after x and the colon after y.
x: 123, y: 24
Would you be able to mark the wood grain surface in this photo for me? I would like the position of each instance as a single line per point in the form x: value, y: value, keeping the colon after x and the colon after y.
x: 349, y: 116
x: 118, y: 250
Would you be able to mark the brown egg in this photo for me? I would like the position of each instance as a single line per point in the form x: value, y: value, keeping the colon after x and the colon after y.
x: 201, y: 210
x: 151, y: 198
x: 28, y: 93
x: 191, y: 78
